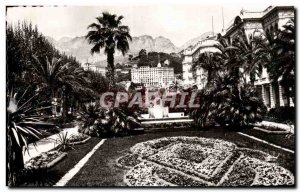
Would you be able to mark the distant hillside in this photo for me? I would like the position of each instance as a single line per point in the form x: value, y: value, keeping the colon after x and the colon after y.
x: 80, y: 48
x: 152, y: 61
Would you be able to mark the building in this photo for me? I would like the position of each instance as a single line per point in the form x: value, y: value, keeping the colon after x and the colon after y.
x: 198, y: 77
x: 268, y: 20
x: 152, y: 76
x: 95, y: 68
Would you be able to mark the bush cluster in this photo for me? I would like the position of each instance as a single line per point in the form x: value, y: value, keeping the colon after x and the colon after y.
x: 281, y: 114
x: 99, y: 122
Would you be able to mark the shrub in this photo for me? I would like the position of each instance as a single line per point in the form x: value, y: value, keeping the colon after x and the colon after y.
x: 102, y: 122
x: 281, y: 114
x: 229, y: 106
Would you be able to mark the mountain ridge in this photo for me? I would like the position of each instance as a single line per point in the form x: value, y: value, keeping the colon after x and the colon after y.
x: 80, y: 48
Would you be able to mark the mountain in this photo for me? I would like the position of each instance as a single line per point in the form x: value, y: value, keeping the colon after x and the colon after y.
x: 195, y: 40
x: 158, y: 44
x: 80, y: 48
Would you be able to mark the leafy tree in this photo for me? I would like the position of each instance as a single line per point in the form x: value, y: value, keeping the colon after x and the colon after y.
x: 175, y: 62
x: 110, y: 34
x: 143, y: 58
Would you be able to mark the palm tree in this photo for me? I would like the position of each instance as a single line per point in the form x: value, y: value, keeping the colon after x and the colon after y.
x: 55, y: 75
x: 284, y: 66
x: 227, y: 99
x: 277, y: 54
x: 110, y: 34
x: 209, y: 62
x: 251, y: 61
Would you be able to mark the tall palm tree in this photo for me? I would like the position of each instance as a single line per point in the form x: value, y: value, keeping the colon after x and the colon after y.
x: 109, y: 33
x: 251, y: 61
x: 55, y: 74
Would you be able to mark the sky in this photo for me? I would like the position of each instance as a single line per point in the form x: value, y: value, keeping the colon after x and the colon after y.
x: 177, y: 22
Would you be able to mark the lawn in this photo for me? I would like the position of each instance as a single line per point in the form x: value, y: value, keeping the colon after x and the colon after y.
x: 55, y: 173
x: 282, y: 140
x: 103, y: 170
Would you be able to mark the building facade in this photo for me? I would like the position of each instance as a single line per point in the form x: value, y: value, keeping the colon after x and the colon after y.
x: 152, y: 76
x: 96, y: 69
x: 269, y: 20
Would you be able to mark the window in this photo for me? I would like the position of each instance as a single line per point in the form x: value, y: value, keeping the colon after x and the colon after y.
x: 272, y: 30
x: 276, y: 26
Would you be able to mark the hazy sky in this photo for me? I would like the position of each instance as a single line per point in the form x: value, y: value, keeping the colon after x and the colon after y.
x: 179, y: 23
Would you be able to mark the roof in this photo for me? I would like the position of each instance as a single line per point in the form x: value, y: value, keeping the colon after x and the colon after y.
x: 251, y: 15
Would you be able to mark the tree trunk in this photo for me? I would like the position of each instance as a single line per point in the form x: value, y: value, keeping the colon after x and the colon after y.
x: 111, y: 67
x: 15, y: 162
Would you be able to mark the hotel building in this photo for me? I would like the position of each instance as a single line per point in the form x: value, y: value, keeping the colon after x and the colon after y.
x: 152, y: 76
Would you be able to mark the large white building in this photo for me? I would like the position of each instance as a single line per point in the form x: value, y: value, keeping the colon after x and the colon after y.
x: 152, y: 76
x: 269, y: 20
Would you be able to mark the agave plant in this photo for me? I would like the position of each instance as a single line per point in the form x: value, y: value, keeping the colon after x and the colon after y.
x: 64, y: 142
x: 22, y: 116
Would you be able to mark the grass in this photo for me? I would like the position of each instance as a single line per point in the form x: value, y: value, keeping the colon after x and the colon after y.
x: 101, y: 169
x: 56, y: 172
x: 278, y: 139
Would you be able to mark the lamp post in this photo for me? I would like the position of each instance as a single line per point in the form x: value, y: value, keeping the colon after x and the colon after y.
x: 54, y: 107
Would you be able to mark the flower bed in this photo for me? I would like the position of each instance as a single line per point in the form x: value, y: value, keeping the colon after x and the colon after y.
x: 129, y: 160
x: 44, y: 159
x: 195, y: 161
x: 79, y: 138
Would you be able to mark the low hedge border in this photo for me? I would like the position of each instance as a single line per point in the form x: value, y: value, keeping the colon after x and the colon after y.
x: 269, y: 131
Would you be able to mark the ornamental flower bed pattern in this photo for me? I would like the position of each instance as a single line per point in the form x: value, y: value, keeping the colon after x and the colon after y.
x: 196, y: 161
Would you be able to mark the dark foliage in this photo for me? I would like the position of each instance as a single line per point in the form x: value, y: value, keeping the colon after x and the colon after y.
x: 281, y: 115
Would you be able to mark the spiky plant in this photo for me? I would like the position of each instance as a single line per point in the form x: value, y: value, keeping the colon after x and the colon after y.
x: 64, y: 141
x: 21, y: 118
